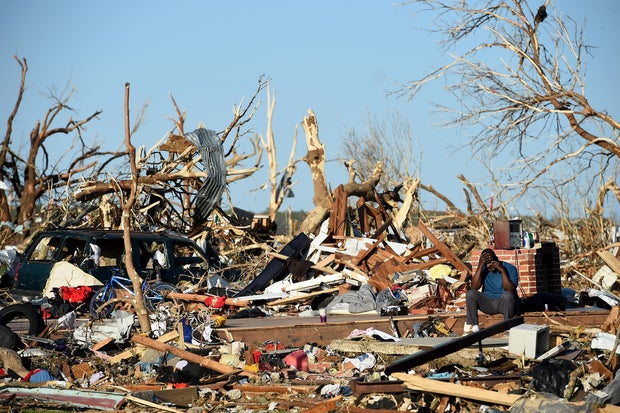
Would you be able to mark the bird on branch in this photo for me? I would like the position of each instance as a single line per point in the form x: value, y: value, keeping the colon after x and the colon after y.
x: 541, y: 14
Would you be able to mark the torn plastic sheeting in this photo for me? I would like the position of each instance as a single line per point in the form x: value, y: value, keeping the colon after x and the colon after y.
x: 604, y: 341
x: 552, y: 376
x: 117, y: 327
x: 212, y: 153
x: 372, y: 332
x: 609, y: 298
x: 362, y: 362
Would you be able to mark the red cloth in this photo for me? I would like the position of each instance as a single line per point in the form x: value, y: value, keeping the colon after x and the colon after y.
x: 76, y: 295
x: 215, y: 302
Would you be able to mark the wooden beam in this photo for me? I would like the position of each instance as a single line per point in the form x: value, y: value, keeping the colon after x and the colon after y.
x: 275, y: 388
x: 301, y: 297
x: 424, y: 252
x: 200, y: 298
x: 611, y: 261
x: 359, y: 258
x: 185, y: 355
x: 326, y: 261
x: 172, y: 335
x: 444, y: 249
x: 338, y: 212
x: 416, y: 382
x: 381, y: 229
x: 362, y: 214
x: 324, y: 407
x: 388, y: 219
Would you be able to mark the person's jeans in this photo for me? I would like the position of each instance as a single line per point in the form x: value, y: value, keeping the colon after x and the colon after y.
x: 475, y: 300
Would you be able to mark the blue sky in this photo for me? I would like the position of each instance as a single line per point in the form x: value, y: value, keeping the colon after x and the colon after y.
x: 338, y: 58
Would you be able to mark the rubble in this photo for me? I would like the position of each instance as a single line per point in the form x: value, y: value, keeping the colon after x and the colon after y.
x: 372, y: 323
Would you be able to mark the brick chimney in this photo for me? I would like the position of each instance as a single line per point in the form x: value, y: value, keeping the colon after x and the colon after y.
x: 539, y: 267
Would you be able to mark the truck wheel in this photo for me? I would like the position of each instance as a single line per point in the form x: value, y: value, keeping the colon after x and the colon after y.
x: 23, y: 313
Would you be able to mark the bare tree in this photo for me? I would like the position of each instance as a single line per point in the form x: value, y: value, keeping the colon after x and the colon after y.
x: 172, y: 171
x: 280, y: 183
x: 323, y: 197
x: 521, y: 88
x: 389, y: 141
x: 27, y: 177
x: 127, y: 206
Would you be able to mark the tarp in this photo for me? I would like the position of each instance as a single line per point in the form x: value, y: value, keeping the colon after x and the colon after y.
x: 64, y: 273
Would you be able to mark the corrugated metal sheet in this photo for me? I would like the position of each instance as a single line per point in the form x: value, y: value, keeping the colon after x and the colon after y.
x: 212, y: 153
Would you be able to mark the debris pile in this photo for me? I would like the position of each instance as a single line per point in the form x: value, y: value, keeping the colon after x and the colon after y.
x: 367, y: 369
x: 333, y: 321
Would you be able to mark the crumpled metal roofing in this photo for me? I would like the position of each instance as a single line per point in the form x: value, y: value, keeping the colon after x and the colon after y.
x: 212, y: 152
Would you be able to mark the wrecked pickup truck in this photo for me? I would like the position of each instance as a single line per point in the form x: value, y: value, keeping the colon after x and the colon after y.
x: 89, y: 257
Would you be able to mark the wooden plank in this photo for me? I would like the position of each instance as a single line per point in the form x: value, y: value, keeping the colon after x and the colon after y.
x: 406, y: 345
x: 157, y: 406
x: 611, y: 261
x: 179, y: 397
x: 181, y: 341
x: 315, y: 282
x: 338, y: 212
x: 381, y: 229
x: 364, y: 254
x: 416, y: 382
x: 200, y: 298
x: 172, y: 335
x: 362, y: 214
x: 301, y: 297
x: 412, y: 253
x: 444, y: 249
x: 419, y: 253
x: 275, y: 388
x: 326, y: 261
x: 102, y: 344
x: 324, y: 407
x: 185, y: 355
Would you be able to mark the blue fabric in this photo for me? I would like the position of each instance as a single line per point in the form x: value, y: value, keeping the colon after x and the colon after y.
x: 41, y: 376
x: 492, y: 284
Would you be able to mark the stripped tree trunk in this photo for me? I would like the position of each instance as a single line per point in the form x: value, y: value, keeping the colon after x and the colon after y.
x: 138, y: 305
x: 315, y: 158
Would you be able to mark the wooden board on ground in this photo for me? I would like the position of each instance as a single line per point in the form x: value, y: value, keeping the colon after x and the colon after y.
x: 302, y: 297
x: 440, y: 387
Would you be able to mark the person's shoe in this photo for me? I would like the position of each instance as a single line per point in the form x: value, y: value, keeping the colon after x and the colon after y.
x: 466, y: 329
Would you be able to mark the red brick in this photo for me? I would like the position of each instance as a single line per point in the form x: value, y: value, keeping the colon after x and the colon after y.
x: 539, y: 268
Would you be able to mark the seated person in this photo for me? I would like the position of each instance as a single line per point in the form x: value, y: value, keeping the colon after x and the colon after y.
x: 499, y: 282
